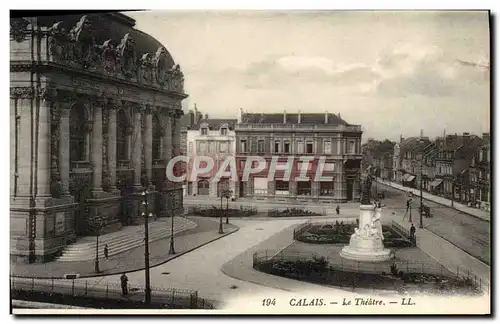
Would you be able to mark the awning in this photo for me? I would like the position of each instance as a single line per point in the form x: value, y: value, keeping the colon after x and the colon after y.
x: 405, y: 177
x: 410, y: 178
x: 436, y: 182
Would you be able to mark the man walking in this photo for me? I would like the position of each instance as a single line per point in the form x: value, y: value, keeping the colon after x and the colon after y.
x: 337, y: 209
x: 124, y: 281
x: 412, y: 233
x: 106, y: 251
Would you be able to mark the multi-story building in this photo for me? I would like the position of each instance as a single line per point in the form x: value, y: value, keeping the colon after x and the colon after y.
x: 187, y: 122
x: 215, y: 139
x: 92, y: 126
x: 478, y: 181
x: 409, y: 158
x: 454, y: 157
x: 297, y: 142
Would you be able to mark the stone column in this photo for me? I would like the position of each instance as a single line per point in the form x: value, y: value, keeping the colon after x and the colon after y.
x: 24, y: 110
x: 44, y: 167
x: 64, y: 150
x: 167, y: 138
x: 112, y: 144
x: 97, y: 145
x: 136, y: 146
x: 148, y: 142
x: 13, y: 146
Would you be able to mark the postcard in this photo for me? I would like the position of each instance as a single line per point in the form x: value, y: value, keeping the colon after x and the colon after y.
x: 250, y: 162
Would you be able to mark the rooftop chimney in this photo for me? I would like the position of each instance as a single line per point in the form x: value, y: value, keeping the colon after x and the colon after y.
x: 300, y: 117
x: 466, y: 138
x: 421, y: 133
x: 284, y: 117
x: 240, y: 115
x: 326, y: 116
x: 401, y: 138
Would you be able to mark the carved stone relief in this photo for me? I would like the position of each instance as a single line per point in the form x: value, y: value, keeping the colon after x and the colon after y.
x: 77, y: 48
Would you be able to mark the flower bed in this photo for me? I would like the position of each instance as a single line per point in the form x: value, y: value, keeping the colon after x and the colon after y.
x: 318, y: 272
x: 291, y: 212
x: 341, y: 233
x: 230, y: 212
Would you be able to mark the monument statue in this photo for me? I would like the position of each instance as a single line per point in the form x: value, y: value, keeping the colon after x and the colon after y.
x: 366, y: 188
x: 366, y: 243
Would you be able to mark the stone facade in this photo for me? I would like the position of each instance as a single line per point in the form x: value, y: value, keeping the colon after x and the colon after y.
x: 213, y: 138
x: 300, y: 135
x: 95, y: 110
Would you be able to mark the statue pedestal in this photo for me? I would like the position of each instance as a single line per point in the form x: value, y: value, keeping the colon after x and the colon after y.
x: 366, y: 244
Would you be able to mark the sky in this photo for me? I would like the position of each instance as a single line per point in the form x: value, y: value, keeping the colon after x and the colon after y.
x: 393, y: 73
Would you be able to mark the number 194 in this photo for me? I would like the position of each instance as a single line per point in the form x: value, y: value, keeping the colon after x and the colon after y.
x: 269, y: 302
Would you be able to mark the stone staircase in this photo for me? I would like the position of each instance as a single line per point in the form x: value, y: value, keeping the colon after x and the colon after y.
x: 126, y: 239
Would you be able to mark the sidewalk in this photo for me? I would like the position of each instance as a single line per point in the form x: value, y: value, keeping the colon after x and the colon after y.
x: 447, y: 254
x: 443, y: 201
x: 131, y: 260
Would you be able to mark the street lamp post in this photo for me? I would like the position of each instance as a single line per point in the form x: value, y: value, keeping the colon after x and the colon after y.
x: 421, y: 194
x: 172, y: 249
x: 221, y: 230
x: 95, y: 225
x: 227, y: 194
x: 411, y: 200
x: 146, y: 247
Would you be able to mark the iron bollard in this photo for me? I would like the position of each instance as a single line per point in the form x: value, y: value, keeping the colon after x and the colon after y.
x: 107, y: 290
x: 73, y: 287
x: 85, y: 287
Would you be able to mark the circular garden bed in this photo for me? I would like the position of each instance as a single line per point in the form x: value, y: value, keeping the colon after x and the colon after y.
x: 341, y: 233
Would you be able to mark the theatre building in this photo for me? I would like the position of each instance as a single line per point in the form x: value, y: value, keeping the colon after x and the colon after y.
x: 95, y: 107
x: 314, y: 136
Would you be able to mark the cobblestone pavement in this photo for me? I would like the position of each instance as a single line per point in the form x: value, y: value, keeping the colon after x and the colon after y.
x: 467, y: 232
x: 206, y: 231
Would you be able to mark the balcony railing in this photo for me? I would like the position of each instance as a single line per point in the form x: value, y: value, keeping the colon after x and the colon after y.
x: 339, y: 128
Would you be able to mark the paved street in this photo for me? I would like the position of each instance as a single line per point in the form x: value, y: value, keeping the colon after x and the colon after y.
x: 467, y: 232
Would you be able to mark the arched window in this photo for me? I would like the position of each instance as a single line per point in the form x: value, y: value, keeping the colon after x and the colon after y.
x: 157, y: 138
x: 78, y: 134
x: 122, y: 150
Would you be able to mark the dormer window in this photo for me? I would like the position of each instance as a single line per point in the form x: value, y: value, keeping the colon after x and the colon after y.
x: 224, y: 129
x: 204, y: 131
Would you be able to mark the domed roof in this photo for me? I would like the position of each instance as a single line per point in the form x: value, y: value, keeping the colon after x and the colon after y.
x: 112, y: 26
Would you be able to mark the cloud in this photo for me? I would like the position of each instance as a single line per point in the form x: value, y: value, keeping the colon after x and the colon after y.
x: 426, y: 71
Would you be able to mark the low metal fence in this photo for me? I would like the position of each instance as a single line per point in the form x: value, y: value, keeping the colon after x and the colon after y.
x: 169, y: 297
x: 344, y: 266
x: 198, y: 208
x: 299, y: 230
x: 403, y: 231
x: 296, y: 212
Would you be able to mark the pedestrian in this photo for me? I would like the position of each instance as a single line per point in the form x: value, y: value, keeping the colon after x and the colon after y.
x: 106, y: 251
x: 337, y: 209
x: 124, y: 281
x: 412, y: 233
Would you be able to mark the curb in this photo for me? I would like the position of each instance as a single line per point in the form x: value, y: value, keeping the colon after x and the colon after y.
x: 142, y: 268
x: 475, y: 216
